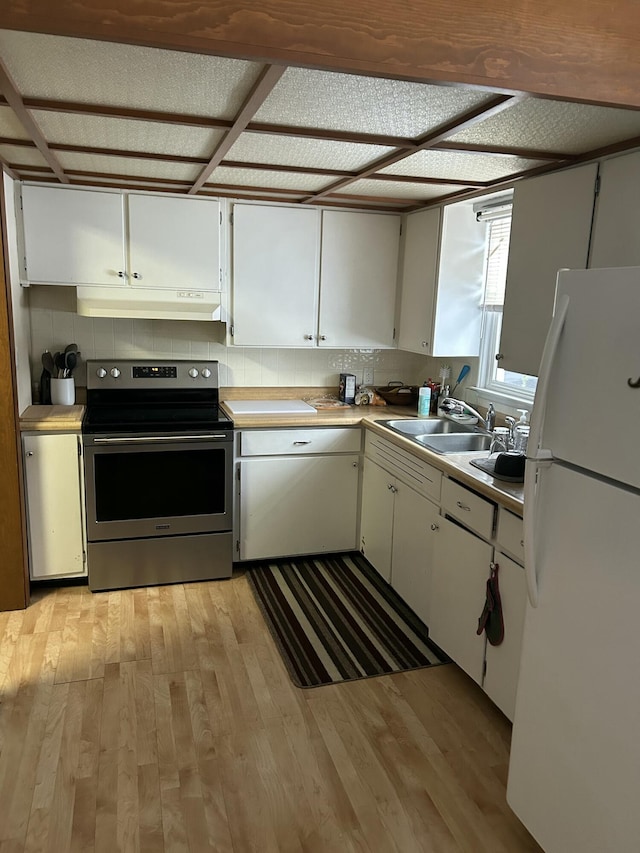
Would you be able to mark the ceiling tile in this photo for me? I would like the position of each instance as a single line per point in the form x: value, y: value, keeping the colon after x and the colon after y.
x: 264, y: 178
x: 308, y: 98
x: 128, y: 166
x: 554, y: 126
x: 107, y: 132
x: 456, y: 166
x: 308, y: 153
x: 126, y: 75
x: 19, y: 154
x: 10, y: 126
x: 400, y: 189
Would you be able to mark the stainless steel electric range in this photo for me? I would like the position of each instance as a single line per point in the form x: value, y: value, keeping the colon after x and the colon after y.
x: 158, y: 473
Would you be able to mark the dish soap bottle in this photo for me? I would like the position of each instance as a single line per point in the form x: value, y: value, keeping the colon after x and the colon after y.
x: 424, y: 401
x: 521, y: 433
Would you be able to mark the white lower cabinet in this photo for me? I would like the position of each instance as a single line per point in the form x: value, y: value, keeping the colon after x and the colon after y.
x: 54, y: 487
x: 461, y: 563
x: 299, y: 503
x: 503, y: 662
x: 376, y: 522
x: 398, y: 520
x: 415, y: 523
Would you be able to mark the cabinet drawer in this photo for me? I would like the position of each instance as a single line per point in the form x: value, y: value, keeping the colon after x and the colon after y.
x: 510, y: 534
x: 468, y: 507
x: 279, y: 442
x: 412, y: 470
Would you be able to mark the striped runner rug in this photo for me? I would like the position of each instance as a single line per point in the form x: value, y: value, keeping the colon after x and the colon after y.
x: 335, y: 619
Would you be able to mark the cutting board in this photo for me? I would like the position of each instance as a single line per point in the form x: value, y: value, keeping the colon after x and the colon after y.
x: 269, y: 407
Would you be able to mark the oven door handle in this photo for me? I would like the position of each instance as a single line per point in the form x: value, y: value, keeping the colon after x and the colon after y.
x: 152, y: 438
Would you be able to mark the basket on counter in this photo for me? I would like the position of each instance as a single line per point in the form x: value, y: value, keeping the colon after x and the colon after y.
x: 398, y: 394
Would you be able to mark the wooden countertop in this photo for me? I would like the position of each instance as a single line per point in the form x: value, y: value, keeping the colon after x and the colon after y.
x: 509, y: 495
x: 51, y: 418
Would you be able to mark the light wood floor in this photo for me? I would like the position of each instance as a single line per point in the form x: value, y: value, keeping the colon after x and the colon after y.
x: 162, y: 719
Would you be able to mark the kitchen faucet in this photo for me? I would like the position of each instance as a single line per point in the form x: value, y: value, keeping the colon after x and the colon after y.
x: 451, y: 406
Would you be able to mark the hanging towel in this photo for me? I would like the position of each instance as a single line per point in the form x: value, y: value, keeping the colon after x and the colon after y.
x: 491, y: 620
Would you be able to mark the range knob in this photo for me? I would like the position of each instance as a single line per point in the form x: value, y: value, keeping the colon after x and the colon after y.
x: 206, y: 373
x: 193, y: 372
x: 101, y: 372
x: 114, y: 372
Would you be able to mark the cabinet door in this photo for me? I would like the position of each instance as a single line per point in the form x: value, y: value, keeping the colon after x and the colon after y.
x: 615, y: 227
x: 503, y: 661
x: 458, y: 303
x: 376, y: 520
x: 358, y: 274
x: 174, y: 242
x: 412, y: 556
x: 73, y: 236
x: 421, y: 235
x: 275, y: 275
x: 550, y: 231
x: 461, y: 567
x: 298, y: 505
x: 53, y: 486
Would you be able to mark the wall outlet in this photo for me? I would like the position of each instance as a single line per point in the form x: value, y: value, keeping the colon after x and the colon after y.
x: 367, y: 376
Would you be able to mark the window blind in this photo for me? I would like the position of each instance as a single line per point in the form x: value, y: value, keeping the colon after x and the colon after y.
x: 497, y: 256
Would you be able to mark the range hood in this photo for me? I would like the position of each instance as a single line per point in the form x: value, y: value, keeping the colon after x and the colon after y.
x: 149, y: 304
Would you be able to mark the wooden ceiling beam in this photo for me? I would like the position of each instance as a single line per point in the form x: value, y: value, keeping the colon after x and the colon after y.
x: 254, y: 100
x: 504, y: 151
x: 14, y: 100
x: 573, y: 50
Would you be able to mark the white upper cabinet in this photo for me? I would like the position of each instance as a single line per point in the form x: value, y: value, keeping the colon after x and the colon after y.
x: 615, y: 227
x: 86, y: 237
x: 73, y: 236
x: 421, y: 236
x: 174, y: 242
x: 550, y: 231
x: 358, y: 275
x: 275, y: 275
x: 302, y: 278
x: 442, y: 281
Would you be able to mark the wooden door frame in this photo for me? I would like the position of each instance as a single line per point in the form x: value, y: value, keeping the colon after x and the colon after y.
x: 14, y: 573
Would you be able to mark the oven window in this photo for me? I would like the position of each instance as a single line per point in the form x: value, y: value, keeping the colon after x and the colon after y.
x: 159, y: 484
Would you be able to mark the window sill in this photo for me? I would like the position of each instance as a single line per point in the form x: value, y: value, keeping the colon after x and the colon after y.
x: 506, y: 403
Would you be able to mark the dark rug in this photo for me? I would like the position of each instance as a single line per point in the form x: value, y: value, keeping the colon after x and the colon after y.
x: 335, y: 619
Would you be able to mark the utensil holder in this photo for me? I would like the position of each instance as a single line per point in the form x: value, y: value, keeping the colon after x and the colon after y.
x: 63, y: 391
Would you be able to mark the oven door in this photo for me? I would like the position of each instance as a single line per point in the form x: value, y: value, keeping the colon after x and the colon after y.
x: 148, y: 486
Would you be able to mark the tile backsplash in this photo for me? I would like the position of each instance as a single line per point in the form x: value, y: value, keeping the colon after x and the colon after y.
x: 54, y: 323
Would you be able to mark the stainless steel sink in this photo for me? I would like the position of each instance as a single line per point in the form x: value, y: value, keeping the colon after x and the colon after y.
x: 415, y: 427
x: 454, y: 442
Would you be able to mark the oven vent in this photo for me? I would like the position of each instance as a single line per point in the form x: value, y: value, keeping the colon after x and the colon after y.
x: 150, y: 304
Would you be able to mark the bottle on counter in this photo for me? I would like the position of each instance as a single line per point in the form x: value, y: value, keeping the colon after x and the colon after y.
x: 424, y: 401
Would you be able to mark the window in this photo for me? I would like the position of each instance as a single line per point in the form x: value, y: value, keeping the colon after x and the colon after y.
x: 506, y: 384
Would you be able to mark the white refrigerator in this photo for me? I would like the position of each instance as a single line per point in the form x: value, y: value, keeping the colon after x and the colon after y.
x: 574, y: 773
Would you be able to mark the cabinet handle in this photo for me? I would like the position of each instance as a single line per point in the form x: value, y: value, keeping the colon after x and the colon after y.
x: 301, y: 442
x: 393, y: 489
x: 323, y: 337
x: 121, y: 274
x: 308, y: 337
x: 425, y: 344
x: 29, y: 452
x: 355, y: 465
x: 137, y: 275
x: 522, y: 543
x: 462, y: 506
x: 435, y: 527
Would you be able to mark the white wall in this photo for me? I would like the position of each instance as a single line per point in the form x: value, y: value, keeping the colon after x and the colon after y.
x: 54, y: 324
x: 20, y: 303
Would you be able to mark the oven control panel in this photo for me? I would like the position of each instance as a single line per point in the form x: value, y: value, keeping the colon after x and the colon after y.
x: 152, y: 371
x: 123, y: 373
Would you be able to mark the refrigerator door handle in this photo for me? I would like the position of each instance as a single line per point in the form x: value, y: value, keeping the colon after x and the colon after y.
x: 546, y: 367
x: 539, y: 455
